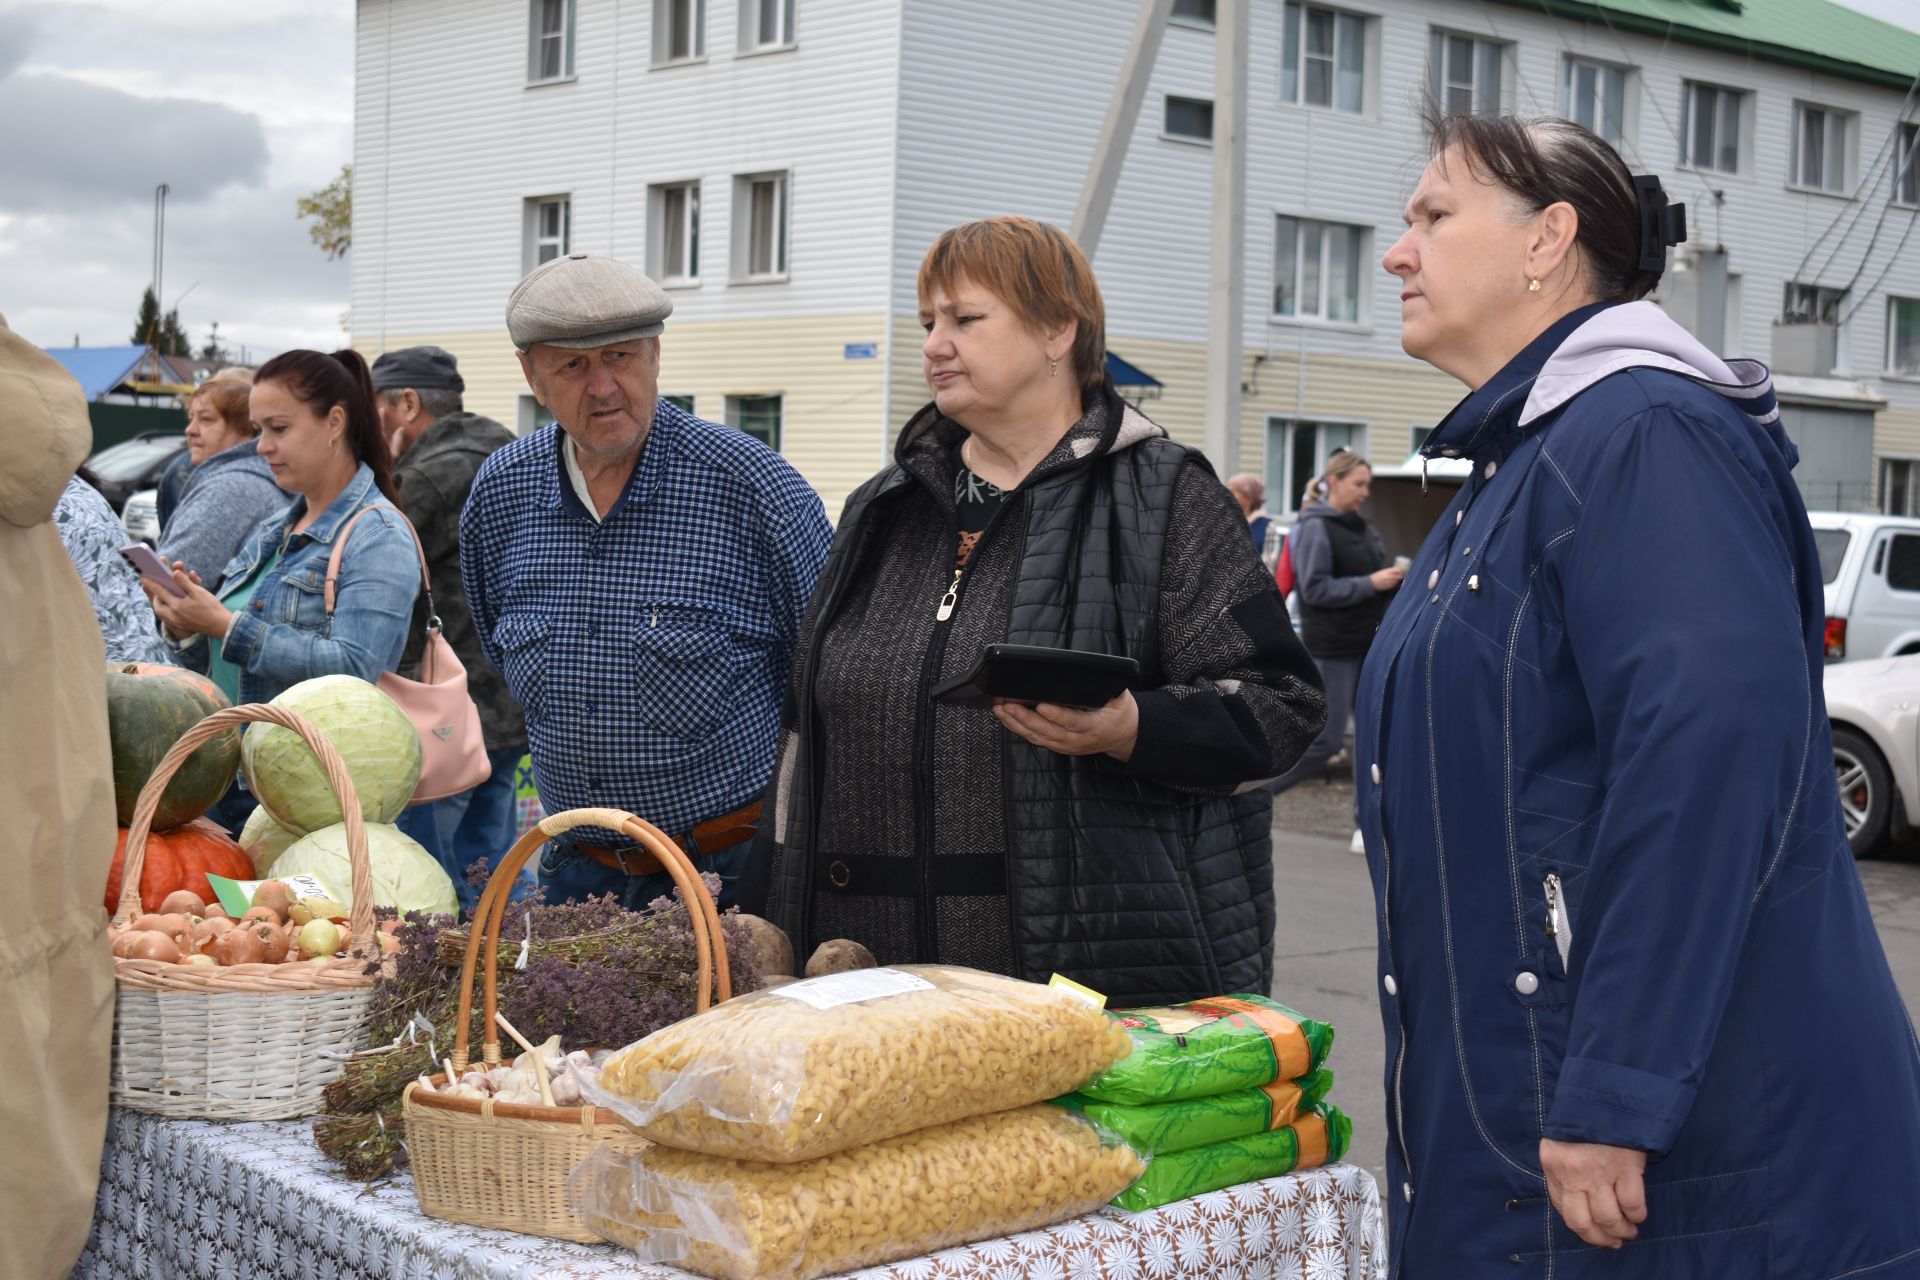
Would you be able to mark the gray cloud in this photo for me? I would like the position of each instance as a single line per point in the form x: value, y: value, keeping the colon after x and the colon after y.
x: 71, y: 143
x: 19, y: 33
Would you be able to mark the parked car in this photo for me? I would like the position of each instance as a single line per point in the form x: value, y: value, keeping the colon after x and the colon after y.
x: 1870, y: 565
x: 132, y: 465
x: 141, y: 516
x: 1875, y: 709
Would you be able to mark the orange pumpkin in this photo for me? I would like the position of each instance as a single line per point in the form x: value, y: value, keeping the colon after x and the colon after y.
x: 180, y: 859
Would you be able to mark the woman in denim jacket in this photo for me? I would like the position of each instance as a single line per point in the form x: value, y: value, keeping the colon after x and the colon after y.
x: 268, y: 627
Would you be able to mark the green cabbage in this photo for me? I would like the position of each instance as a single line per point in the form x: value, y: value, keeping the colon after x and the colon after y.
x: 404, y: 874
x: 373, y: 736
x: 265, y: 838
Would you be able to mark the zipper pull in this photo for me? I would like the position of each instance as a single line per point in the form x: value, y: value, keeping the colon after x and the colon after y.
x: 1553, y: 904
x: 949, y: 600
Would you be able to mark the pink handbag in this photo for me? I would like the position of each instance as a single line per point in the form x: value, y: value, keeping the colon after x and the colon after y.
x: 455, y: 753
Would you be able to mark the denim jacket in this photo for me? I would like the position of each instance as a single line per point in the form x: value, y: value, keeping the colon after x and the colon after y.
x: 285, y: 636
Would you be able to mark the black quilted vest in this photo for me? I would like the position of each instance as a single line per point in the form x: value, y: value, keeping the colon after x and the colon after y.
x: 1142, y: 892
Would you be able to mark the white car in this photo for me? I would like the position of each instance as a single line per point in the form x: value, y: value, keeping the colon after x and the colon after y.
x: 1875, y: 709
x: 142, y: 517
x: 1870, y: 568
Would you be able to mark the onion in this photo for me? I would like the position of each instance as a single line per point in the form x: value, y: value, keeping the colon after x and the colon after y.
x: 158, y: 922
x: 148, y: 945
x: 275, y: 895
x: 273, y: 941
x: 184, y: 902
x: 239, y: 946
x: 263, y: 913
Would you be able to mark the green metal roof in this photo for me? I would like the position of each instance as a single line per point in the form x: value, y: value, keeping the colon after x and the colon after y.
x: 1816, y: 34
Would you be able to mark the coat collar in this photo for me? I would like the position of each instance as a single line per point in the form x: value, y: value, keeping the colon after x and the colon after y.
x: 328, y: 522
x: 1488, y: 420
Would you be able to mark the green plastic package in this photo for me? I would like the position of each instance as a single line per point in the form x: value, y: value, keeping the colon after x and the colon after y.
x: 1308, y: 1143
x: 1224, y: 1044
x: 1165, y: 1127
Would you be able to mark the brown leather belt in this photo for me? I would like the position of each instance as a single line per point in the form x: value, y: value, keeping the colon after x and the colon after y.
x: 710, y: 837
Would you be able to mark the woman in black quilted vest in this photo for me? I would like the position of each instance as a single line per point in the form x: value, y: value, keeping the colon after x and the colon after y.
x: 1345, y: 582
x: 1126, y: 846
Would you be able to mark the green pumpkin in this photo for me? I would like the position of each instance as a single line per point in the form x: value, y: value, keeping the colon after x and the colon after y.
x: 149, y: 708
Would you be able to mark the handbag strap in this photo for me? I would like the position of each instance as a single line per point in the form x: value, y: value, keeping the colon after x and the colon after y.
x: 340, y: 546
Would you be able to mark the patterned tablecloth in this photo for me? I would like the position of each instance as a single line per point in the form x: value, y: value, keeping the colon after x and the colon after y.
x: 185, y: 1198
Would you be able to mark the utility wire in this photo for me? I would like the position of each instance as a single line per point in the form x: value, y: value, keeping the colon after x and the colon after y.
x: 1854, y: 204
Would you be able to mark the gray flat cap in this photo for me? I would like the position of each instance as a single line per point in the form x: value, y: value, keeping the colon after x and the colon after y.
x: 583, y: 300
x: 421, y: 368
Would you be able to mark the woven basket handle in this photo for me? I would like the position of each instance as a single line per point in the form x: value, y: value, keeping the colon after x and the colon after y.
x: 709, y: 945
x: 360, y: 915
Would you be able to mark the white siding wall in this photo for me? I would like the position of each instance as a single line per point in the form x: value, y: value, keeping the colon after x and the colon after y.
x: 450, y: 140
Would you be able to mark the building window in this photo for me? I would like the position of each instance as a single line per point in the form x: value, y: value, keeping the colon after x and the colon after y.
x: 1906, y: 166
x: 1710, y: 127
x: 758, y: 416
x: 679, y: 30
x: 1463, y: 74
x: 766, y: 24
x: 532, y: 416
x: 1297, y: 454
x: 1903, y: 336
x: 1420, y: 437
x: 1194, y: 13
x: 760, y: 226
x: 674, y: 247
x: 1316, y: 270
x: 1812, y: 303
x: 1594, y: 94
x: 1899, y: 487
x: 550, y: 47
x: 683, y: 401
x: 1821, y: 147
x: 549, y: 229
x: 1189, y: 118
x: 1323, y: 59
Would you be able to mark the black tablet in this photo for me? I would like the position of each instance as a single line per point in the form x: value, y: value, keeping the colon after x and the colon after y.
x: 1032, y: 673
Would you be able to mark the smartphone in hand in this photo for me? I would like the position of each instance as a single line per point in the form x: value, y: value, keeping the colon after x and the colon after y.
x: 152, y: 568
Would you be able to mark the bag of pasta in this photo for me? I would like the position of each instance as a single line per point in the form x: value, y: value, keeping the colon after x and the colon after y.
x: 976, y: 1179
x: 1205, y: 1047
x: 1314, y: 1139
x: 1165, y: 1127
x: 816, y: 1067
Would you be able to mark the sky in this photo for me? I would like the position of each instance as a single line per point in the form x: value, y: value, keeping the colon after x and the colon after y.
x: 241, y: 107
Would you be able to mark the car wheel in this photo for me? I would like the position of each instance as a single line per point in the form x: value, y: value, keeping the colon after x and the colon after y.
x: 1866, y: 790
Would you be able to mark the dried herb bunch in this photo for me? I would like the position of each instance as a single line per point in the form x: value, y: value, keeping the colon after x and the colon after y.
x: 596, y: 975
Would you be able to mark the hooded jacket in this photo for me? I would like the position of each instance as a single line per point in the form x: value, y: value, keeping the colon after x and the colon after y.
x: 56, y: 786
x: 223, y: 501
x: 1616, y: 901
x: 930, y: 833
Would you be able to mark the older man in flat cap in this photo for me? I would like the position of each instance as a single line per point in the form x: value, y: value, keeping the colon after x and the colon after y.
x: 439, y: 447
x: 639, y: 577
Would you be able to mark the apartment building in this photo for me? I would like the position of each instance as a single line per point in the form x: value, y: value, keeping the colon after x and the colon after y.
x: 782, y: 165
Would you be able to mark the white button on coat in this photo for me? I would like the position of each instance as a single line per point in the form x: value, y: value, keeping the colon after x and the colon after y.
x: 1393, y: 988
x: 1433, y: 579
x: 1491, y: 468
x: 1375, y: 771
x: 1526, y: 984
x: 1406, y: 1189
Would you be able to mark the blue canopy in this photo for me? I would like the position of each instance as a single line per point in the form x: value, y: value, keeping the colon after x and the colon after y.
x: 1127, y: 375
x: 98, y: 370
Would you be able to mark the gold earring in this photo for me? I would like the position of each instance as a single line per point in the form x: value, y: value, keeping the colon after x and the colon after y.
x: 1533, y: 286
x: 1053, y: 367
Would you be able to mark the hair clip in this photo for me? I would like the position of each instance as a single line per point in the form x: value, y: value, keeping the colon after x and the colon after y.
x: 1662, y: 224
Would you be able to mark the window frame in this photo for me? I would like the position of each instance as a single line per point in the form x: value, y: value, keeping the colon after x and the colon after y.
x: 1295, y: 33
x: 743, y: 226
x: 1482, y: 50
x: 737, y: 407
x: 530, y: 415
x: 691, y: 407
x: 1893, y: 369
x: 752, y: 17
x: 1906, y: 165
x: 664, y: 13
x: 1570, y: 66
x: 1827, y: 301
x: 1359, y: 235
x: 659, y: 197
x: 537, y: 34
x: 1196, y: 21
x: 535, y: 237
x: 1834, y: 119
x: 1690, y: 94
x: 1167, y: 130
x: 1280, y: 479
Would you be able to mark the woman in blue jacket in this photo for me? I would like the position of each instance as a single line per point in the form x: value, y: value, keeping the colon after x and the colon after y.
x: 1638, y: 1020
x: 269, y: 626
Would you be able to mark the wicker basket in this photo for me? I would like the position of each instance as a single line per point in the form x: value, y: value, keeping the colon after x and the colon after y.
x: 252, y: 1041
x: 505, y: 1164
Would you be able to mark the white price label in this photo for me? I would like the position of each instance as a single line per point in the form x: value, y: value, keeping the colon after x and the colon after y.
x: 850, y: 988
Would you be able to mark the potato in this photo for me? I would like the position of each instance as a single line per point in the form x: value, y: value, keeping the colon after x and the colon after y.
x: 842, y: 955
x: 772, y: 948
x: 812, y: 1068
x: 990, y: 1176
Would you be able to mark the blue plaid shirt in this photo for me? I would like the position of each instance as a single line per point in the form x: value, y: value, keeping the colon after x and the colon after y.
x: 650, y: 649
